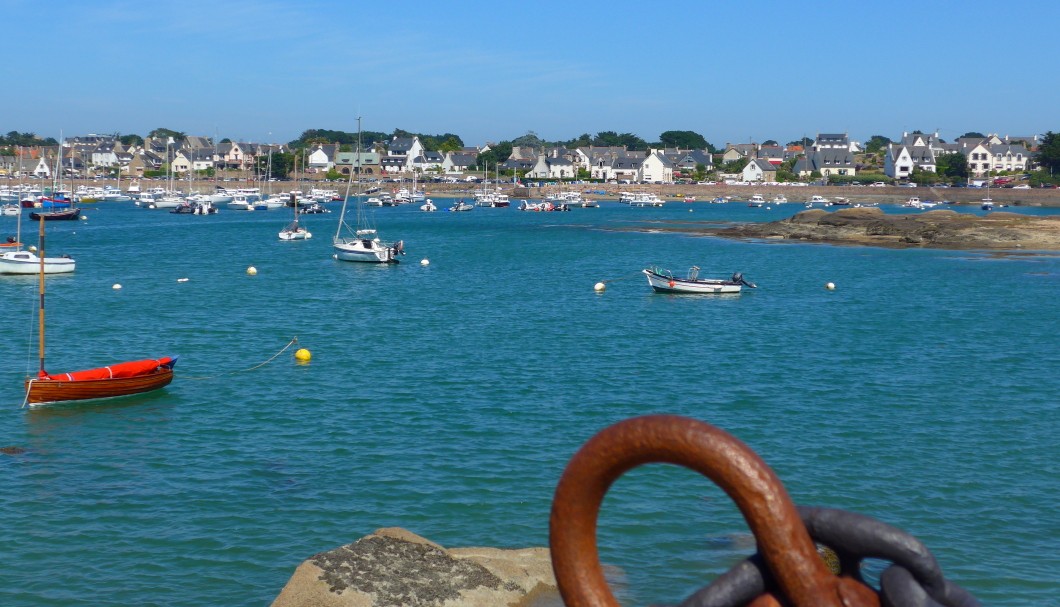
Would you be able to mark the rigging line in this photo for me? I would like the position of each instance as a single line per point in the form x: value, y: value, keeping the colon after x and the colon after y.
x: 293, y: 341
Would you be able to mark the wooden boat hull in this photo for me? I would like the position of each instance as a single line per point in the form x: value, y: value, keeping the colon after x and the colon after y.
x: 40, y: 391
x: 667, y: 284
x: 56, y: 215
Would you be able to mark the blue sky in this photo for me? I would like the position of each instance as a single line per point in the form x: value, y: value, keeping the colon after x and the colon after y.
x: 265, y: 71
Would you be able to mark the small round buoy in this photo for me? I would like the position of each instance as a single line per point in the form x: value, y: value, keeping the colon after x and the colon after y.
x: 182, y: 280
x: 84, y: 218
x: 116, y: 286
x: 830, y: 286
x: 302, y: 355
x: 599, y: 287
x: 32, y: 249
x: 689, y: 210
x: 425, y: 262
x: 252, y: 271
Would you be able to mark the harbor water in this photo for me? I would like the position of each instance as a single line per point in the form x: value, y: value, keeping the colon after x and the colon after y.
x: 447, y: 398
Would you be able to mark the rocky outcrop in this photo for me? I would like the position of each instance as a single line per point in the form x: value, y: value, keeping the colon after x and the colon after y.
x: 939, y: 229
x: 397, y: 568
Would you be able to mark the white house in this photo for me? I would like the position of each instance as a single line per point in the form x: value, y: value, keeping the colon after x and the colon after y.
x: 456, y: 163
x: 401, y: 151
x: 656, y: 168
x: 760, y: 170
x: 549, y: 167
x: 322, y: 159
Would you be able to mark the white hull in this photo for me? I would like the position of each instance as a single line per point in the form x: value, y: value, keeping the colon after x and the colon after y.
x: 25, y: 262
x: 364, y: 250
x: 166, y: 203
x: 299, y: 233
x: 704, y: 286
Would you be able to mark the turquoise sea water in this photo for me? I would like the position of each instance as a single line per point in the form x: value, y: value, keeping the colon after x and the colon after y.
x: 447, y: 398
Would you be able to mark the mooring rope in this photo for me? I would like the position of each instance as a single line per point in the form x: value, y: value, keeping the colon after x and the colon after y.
x: 627, y: 277
x: 293, y: 341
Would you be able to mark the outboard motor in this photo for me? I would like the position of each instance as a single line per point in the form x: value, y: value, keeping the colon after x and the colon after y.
x: 738, y: 279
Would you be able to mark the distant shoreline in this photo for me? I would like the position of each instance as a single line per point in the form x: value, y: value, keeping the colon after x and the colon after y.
x: 1043, y: 197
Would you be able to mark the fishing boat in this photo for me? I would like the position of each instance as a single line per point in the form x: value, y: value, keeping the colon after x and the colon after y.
x: 756, y: 201
x: 121, y: 379
x: 13, y: 260
x: 361, y: 242
x: 429, y: 206
x: 461, y: 206
x: 60, y: 215
x: 295, y: 230
x: 663, y: 281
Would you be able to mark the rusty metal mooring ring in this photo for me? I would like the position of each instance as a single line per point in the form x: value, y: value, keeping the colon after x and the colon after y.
x: 769, y: 511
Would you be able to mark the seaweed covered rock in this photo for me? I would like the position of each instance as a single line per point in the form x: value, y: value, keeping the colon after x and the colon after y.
x: 395, y: 567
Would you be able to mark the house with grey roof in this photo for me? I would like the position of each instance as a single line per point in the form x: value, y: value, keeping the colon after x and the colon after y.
x: 759, y: 169
x: 913, y: 151
x: 428, y: 160
x: 400, y: 154
x: 455, y: 163
x: 685, y: 162
x: 322, y: 158
x: 552, y: 167
x: 739, y: 151
x: 656, y: 168
x: 362, y: 163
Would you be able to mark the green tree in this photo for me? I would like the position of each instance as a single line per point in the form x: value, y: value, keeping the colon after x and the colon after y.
x: 735, y: 166
x: 451, y: 144
x: 161, y: 133
x: 953, y: 165
x: 804, y: 142
x: 972, y: 135
x: 770, y: 142
x: 128, y: 140
x: 876, y: 143
x: 530, y: 139
x: 1048, y: 155
x: 685, y: 140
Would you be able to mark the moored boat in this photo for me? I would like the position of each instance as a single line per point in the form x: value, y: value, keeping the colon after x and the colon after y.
x: 663, y: 281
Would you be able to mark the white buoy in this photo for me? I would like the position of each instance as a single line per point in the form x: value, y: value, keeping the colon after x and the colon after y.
x: 252, y: 271
x: 116, y: 287
x: 32, y: 249
x: 84, y: 218
x: 599, y: 287
x: 830, y: 286
x: 182, y: 280
x: 425, y: 262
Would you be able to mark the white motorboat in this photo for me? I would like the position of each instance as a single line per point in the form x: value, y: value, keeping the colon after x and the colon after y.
x: 13, y: 260
x: 10, y: 209
x: 756, y: 201
x: 428, y: 206
x: 663, y: 281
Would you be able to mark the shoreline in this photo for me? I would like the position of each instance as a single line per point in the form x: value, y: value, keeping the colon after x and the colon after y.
x: 1039, y: 197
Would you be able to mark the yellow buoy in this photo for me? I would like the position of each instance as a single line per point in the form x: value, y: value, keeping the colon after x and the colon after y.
x: 252, y: 271
x: 302, y: 355
x: 830, y: 286
x: 599, y: 287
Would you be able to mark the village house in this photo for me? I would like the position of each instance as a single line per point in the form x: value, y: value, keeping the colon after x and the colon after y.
x: 738, y: 151
x: 914, y: 151
x: 760, y: 170
x: 552, y: 167
x: 455, y: 163
x: 322, y: 158
x: 400, y: 154
x: 362, y: 163
x: 656, y: 168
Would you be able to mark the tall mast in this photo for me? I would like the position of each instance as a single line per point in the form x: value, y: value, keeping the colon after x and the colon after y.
x: 40, y: 253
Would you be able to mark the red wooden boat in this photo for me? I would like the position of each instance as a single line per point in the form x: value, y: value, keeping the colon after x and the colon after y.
x: 133, y: 377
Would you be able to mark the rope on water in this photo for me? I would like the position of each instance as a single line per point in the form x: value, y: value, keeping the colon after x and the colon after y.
x: 293, y: 341
x: 627, y: 277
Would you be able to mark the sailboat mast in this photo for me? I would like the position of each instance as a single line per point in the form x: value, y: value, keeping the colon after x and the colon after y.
x: 40, y: 313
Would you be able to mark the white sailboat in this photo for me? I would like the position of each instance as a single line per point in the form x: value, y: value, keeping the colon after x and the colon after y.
x: 13, y: 260
x: 362, y: 243
x: 295, y: 230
